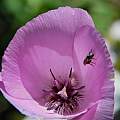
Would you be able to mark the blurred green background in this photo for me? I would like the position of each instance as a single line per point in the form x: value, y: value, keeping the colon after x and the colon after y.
x: 105, y: 13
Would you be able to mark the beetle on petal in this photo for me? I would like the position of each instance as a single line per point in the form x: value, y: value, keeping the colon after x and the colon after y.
x: 89, y: 58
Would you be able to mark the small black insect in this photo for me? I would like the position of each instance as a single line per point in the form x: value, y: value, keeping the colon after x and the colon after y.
x: 89, y: 58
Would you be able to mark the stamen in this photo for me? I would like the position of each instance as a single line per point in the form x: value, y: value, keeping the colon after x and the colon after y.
x: 64, y: 97
x: 70, y: 73
x: 52, y: 74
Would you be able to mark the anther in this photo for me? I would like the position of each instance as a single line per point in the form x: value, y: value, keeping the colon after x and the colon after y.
x: 52, y: 74
x: 70, y: 74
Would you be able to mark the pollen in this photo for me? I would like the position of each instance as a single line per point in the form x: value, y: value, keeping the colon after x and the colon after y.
x: 63, y: 93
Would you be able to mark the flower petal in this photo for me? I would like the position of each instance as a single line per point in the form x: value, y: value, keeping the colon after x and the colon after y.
x: 2, y: 87
x: 1, y: 83
x: 37, y: 47
x: 11, y: 77
x: 66, y: 19
x: 29, y: 107
x: 87, y: 38
x: 37, y: 76
x: 88, y: 116
x: 106, y: 106
x: 32, y: 109
x: 104, y: 109
x: 37, y: 43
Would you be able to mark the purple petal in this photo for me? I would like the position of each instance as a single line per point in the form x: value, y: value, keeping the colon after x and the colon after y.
x: 11, y: 77
x: 48, y: 31
x: 31, y: 70
x: 87, y: 38
x: 37, y: 76
x: 106, y: 106
x: 44, y: 43
x: 65, y: 19
x: 105, y: 110
x: 26, y: 106
x: 88, y: 116
x: 2, y: 87
x: 1, y: 83
x: 29, y: 107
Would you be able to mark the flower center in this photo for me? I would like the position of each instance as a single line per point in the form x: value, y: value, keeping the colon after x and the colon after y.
x: 64, y: 95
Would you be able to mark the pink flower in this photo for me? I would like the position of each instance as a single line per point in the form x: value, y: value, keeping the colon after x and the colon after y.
x: 57, y: 66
